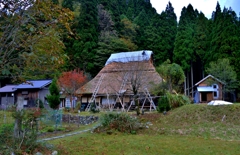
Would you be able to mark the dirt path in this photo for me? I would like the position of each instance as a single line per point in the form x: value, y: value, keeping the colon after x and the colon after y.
x: 68, y: 134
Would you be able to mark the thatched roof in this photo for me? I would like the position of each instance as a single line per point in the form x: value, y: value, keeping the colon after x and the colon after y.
x: 142, y: 73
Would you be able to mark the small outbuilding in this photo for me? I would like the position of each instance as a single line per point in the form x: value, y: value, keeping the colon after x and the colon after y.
x: 208, y: 89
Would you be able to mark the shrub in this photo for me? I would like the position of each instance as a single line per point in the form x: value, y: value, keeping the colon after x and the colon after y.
x: 78, y: 106
x: 177, y: 100
x: 93, y: 108
x: 6, y: 137
x: 163, y: 104
x: 50, y: 129
x: 171, y: 101
x: 66, y: 109
x: 120, y: 122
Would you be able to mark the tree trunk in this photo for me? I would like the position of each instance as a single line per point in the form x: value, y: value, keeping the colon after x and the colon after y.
x: 192, y: 79
x: 17, y: 128
x: 137, y: 105
x: 185, y: 86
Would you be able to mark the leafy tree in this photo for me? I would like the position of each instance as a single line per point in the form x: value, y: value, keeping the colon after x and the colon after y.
x: 172, y: 74
x: 26, y: 32
x: 71, y: 81
x: 222, y: 70
x: 54, y: 97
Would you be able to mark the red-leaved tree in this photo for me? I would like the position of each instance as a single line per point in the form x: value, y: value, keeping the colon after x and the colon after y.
x: 71, y: 81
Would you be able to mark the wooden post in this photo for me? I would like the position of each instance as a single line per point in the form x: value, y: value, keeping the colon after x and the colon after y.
x: 18, y: 121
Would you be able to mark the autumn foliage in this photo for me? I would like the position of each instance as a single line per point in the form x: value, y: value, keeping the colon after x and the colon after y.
x: 71, y: 81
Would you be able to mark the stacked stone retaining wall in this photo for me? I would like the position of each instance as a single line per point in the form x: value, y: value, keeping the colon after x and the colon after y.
x: 83, y: 120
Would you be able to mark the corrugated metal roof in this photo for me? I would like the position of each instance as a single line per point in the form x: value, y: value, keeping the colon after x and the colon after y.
x: 31, y: 84
x: 7, y: 89
x: 205, y: 89
x: 129, y: 56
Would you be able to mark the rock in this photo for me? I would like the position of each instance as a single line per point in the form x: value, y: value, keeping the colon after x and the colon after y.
x: 38, y: 153
x: 54, y: 153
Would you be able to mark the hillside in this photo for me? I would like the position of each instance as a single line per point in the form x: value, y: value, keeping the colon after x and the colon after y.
x: 190, y: 129
x: 215, y: 122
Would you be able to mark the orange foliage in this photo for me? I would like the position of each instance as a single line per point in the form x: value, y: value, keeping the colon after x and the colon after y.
x: 72, y: 80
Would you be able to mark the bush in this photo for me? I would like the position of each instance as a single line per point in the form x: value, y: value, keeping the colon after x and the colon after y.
x: 163, y: 104
x: 172, y: 101
x: 93, y: 108
x: 120, y: 122
x: 66, y: 109
x: 6, y: 138
x: 78, y: 106
x: 177, y: 100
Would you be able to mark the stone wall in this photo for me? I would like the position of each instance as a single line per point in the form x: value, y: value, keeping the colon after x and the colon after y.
x: 83, y: 120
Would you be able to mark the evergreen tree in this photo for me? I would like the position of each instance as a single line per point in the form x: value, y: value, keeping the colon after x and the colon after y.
x: 184, y: 44
x: 225, y: 37
x: 183, y: 47
x: 68, y: 4
x: 201, y: 45
x: 82, y: 48
x: 54, y: 97
x: 167, y: 30
x: 109, y: 41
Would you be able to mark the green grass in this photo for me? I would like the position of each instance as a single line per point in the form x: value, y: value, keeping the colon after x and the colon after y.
x: 155, y: 144
x: 6, y: 117
x: 191, y: 129
x: 218, y: 122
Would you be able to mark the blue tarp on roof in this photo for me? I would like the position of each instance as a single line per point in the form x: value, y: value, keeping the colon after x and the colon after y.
x: 33, y: 84
x: 129, y: 56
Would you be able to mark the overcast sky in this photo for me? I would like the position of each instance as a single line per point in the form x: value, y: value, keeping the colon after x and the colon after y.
x: 206, y: 6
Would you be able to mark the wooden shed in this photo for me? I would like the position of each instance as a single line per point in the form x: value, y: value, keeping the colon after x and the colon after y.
x: 207, y: 89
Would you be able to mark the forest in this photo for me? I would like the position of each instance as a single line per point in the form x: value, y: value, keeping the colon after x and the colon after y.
x: 41, y: 39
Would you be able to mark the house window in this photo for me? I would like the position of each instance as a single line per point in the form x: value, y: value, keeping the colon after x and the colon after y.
x: 24, y: 92
x: 215, y: 86
x: 25, y: 102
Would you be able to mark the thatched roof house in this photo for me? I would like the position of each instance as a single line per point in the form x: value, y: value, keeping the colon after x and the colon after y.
x: 123, y: 73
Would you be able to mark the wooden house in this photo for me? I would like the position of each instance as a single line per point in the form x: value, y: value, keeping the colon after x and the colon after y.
x: 123, y: 73
x: 7, y: 96
x: 207, y: 89
x: 32, y: 90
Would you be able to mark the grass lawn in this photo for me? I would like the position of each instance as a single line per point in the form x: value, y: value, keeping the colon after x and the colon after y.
x: 188, y: 130
x: 155, y: 144
x: 6, y: 117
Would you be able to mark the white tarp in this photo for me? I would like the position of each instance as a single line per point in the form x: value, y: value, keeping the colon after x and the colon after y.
x: 205, y: 89
x: 129, y: 56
